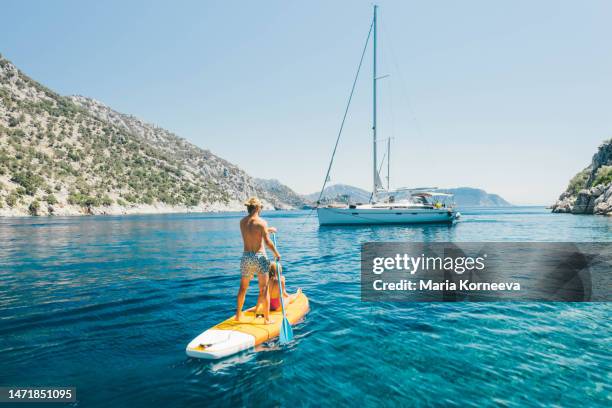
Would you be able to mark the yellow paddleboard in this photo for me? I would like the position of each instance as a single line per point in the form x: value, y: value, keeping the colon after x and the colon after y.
x: 230, y: 337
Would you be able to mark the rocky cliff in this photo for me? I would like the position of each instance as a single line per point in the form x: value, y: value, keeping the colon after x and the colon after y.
x: 590, y: 191
x: 74, y: 155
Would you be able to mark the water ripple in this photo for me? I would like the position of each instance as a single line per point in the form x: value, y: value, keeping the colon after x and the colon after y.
x: 107, y: 304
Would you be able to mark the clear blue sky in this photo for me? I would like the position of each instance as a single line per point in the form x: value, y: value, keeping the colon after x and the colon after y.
x: 513, y: 97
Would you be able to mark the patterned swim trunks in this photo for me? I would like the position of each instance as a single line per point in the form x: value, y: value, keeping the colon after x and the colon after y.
x: 254, y: 262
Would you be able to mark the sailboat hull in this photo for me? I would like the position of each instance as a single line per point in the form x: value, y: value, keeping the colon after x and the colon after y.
x: 374, y: 216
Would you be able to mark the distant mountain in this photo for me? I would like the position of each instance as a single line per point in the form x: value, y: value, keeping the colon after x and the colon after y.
x: 286, y: 197
x: 341, y: 193
x: 475, y: 197
x: 74, y: 155
x: 590, y: 191
x: 464, y: 196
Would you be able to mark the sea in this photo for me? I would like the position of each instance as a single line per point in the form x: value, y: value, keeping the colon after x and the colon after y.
x: 107, y: 304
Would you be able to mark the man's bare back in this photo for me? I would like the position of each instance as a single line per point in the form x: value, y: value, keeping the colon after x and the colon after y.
x: 253, y: 229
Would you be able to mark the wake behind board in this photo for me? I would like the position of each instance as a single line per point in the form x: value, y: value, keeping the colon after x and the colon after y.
x: 230, y: 337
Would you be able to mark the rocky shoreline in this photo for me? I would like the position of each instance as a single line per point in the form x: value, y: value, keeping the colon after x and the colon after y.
x: 596, y: 200
x: 159, y: 208
x: 590, y: 191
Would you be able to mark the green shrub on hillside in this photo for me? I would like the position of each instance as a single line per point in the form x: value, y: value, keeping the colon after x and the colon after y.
x: 4, y: 95
x: 28, y: 180
x: 578, y: 182
x: 12, y: 199
x: 83, y: 200
x: 131, y: 198
x: 50, y: 199
x: 34, y: 207
x: 106, y: 201
x: 603, y: 175
x: 13, y: 121
x: 74, y: 155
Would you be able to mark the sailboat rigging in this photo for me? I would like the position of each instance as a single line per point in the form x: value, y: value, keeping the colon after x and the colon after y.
x: 421, y: 206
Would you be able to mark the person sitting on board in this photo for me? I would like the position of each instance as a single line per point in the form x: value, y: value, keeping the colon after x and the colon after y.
x: 255, y: 230
x: 275, y: 303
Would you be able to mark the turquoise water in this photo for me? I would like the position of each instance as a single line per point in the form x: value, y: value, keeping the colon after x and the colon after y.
x: 107, y: 304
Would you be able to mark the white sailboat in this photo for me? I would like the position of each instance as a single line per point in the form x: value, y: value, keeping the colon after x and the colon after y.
x: 420, y: 205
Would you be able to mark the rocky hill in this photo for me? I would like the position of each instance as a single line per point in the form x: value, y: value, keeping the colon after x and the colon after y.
x: 286, y: 197
x: 464, y: 196
x: 341, y: 193
x: 73, y: 155
x: 590, y: 191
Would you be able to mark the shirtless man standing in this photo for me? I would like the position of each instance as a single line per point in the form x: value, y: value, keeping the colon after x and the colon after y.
x: 255, y: 231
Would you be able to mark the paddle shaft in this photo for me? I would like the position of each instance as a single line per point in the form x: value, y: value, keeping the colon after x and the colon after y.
x: 286, y: 334
x: 278, y: 276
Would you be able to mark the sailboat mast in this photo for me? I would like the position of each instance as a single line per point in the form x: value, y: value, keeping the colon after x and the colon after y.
x: 375, y: 167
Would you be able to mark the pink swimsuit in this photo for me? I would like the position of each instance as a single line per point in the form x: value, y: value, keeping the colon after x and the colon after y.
x: 275, y: 304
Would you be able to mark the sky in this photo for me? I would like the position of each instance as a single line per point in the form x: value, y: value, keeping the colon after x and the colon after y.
x: 513, y: 97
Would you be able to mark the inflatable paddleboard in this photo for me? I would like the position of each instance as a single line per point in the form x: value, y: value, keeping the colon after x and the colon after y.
x: 230, y: 337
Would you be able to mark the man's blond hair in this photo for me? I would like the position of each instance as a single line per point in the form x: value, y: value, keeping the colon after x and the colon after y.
x: 253, y: 204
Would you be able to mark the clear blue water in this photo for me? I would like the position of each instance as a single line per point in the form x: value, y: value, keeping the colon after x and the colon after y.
x: 107, y: 304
